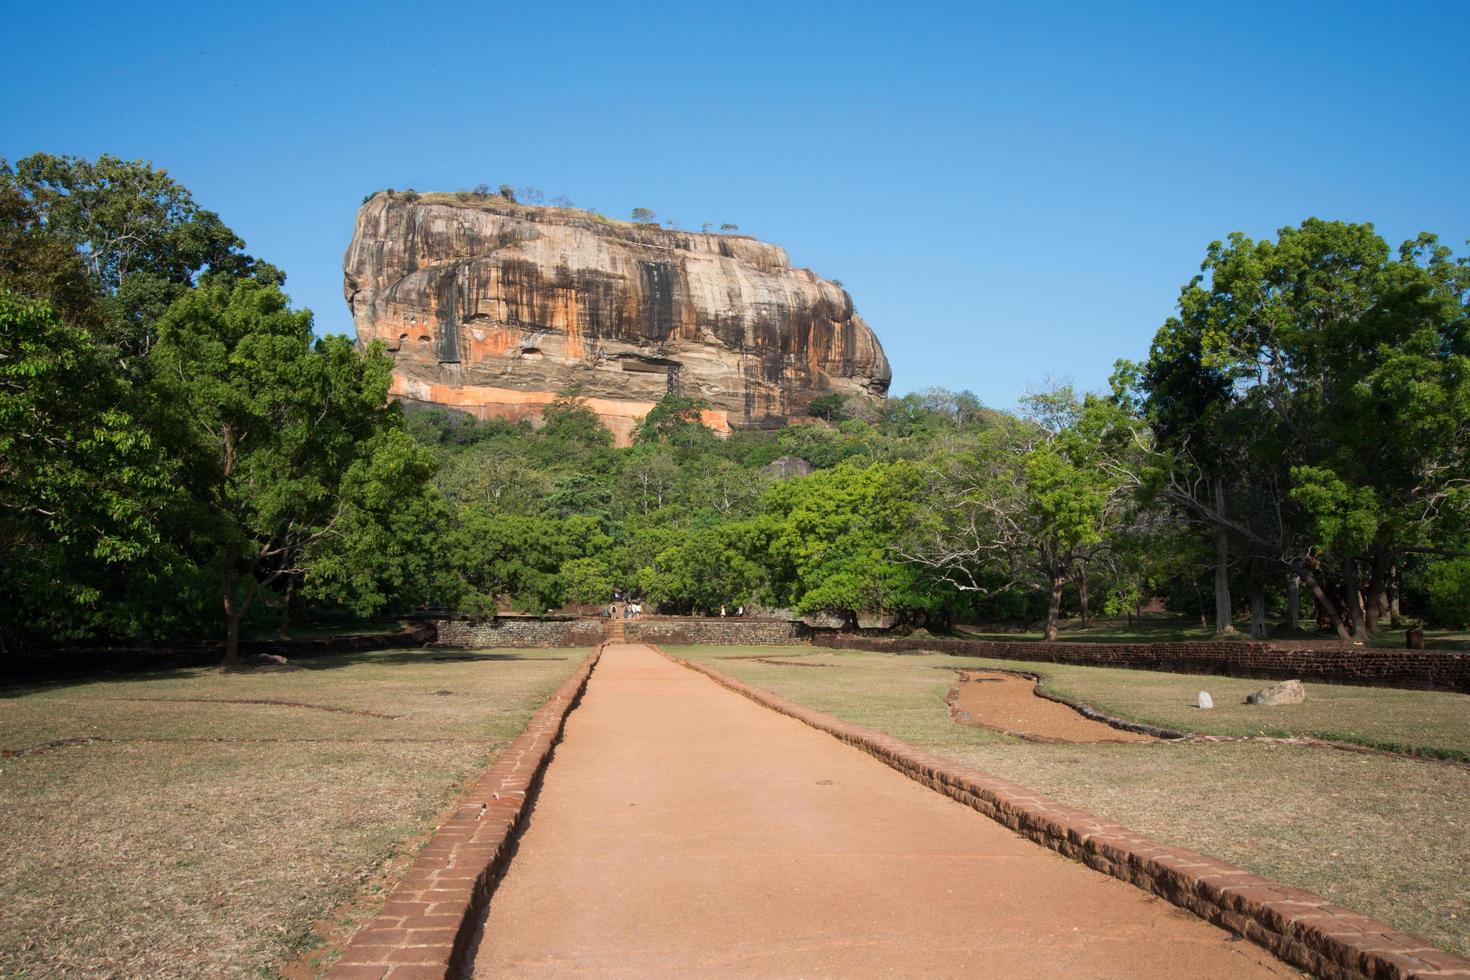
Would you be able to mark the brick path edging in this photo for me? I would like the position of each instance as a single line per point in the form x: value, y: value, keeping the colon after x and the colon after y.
x: 427, y: 923
x: 1299, y: 927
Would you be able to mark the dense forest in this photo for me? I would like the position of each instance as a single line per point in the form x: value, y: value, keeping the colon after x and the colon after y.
x: 181, y: 455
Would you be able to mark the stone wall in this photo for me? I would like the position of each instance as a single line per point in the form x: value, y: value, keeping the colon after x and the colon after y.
x: 737, y: 631
x: 1439, y: 670
x: 515, y: 632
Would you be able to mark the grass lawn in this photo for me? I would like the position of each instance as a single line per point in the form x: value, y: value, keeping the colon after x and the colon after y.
x: 1432, y: 723
x: 208, y: 829
x: 1386, y: 836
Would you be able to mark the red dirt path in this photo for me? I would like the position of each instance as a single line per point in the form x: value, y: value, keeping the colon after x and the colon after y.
x: 684, y: 830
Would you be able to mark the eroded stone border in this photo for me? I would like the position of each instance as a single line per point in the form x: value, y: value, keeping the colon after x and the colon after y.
x: 426, y: 925
x: 1300, y: 927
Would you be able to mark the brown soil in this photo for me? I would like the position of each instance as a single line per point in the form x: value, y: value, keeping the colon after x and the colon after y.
x: 1009, y: 703
x: 684, y: 830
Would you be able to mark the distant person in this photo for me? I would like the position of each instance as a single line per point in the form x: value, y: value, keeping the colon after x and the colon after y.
x: 740, y: 611
x: 722, y: 610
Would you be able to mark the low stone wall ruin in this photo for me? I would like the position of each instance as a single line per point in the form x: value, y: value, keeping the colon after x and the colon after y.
x: 727, y: 631
x: 518, y: 632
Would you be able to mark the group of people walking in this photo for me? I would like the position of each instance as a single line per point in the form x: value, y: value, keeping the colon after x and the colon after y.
x: 631, y: 607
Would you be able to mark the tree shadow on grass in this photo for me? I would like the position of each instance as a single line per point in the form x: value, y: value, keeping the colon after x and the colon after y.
x: 157, y: 667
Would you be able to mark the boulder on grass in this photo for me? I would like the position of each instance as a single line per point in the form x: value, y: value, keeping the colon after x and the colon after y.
x: 1287, y: 692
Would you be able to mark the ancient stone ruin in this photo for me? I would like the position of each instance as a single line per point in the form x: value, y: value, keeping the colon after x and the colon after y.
x: 493, y: 307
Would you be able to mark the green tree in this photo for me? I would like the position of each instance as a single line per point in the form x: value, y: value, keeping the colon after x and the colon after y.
x: 270, y: 423
x: 519, y: 557
x: 650, y: 477
x: 678, y: 421
x: 829, y: 407
x: 1333, y: 368
x: 571, y: 434
x: 712, y: 567
x: 1034, y: 500
x: 82, y: 484
x: 492, y: 474
x: 141, y: 235
x: 385, y: 550
x: 38, y: 263
x: 832, y: 537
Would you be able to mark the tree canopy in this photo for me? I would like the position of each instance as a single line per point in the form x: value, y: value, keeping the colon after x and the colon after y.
x: 180, y: 455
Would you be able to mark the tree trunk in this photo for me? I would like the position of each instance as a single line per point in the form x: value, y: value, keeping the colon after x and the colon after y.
x: 232, y: 615
x: 1082, y: 595
x: 1393, y: 597
x: 1326, y: 608
x: 1224, y: 612
x: 286, y: 607
x: 1258, y: 611
x: 1293, y: 602
x: 1377, y: 604
x: 1054, y: 607
x: 1354, y: 599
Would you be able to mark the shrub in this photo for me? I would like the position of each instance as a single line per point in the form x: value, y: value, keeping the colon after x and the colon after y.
x: 1447, y: 584
x: 829, y: 407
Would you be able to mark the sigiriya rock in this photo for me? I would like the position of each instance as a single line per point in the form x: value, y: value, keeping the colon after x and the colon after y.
x: 492, y: 307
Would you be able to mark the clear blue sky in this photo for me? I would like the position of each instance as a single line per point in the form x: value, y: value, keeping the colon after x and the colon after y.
x: 1010, y: 192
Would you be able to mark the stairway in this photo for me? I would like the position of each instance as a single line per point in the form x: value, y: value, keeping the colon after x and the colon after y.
x: 612, y: 630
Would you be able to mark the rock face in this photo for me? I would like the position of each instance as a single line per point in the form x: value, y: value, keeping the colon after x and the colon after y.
x: 493, y: 307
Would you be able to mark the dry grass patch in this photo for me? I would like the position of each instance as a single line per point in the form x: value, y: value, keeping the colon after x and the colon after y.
x: 1386, y: 836
x: 205, y: 835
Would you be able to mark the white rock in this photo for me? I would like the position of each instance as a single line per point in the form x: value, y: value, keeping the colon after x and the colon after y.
x: 1205, y: 701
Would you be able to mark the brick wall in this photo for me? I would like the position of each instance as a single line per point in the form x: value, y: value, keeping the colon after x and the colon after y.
x: 1441, y: 670
x: 512, y: 632
x: 717, y: 632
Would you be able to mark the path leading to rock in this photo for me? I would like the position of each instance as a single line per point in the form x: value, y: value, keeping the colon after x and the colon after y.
x: 684, y: 830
